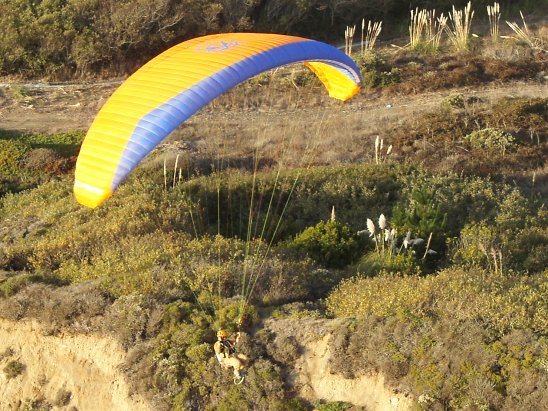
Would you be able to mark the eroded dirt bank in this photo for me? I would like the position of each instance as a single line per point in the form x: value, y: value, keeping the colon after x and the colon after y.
x: 81, y: 372
x: 65, y: 371
x: 313, y: 378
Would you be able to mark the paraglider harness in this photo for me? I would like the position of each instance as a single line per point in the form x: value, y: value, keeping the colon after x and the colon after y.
x: 228, y: 347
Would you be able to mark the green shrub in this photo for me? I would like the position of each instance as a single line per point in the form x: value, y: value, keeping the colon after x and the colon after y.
x: 371, y: 60
x: 381, y: 79
x: 352, y: 189
x: 333, y: 406
x: 13, y: 369
x: 515, y: 239
x: 527, y: 250
x: 27, y: 160
x: 491, y: 139
x: 446, y: 203
x: 477, y: 243
x: 373, y: 263
x: 185, y: 371
x: 15, y: 283
x: 422, y: 214
x: 11, y: 153
x: 20, y: 92
x: 65, y: 144
x: 138, y: 264
x: 501, y: 303
x: 330, y: 243
x: 154, y: 253
x: 463, y: 338
x: 453, y: 101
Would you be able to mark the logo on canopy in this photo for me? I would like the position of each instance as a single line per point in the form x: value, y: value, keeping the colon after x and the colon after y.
x: 217, y: 46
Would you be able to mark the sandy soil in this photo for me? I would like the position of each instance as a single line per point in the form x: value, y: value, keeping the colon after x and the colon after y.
x: 82, y: 372
x: 313, y: 379
x: 64, y: 370
x: 40, y: 107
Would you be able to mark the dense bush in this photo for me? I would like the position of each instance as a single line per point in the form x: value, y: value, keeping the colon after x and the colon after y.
x: 65, y: 144
x: 179, y: 370
x: 380, y: 79
x: 457, y: 339
x: 12, y: 151
x: 500, y: 303
x: 286, y: 205
x: 330, y: 243
x: 513, y: 239
x: 491, y: 139
x: 178, y: 273
x: 155, y: 251
x: 154, y: 227
x: 27, y: 160
x: 60, y: 38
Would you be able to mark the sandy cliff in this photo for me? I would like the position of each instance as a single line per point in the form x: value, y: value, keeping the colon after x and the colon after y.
x: 82, y: 372
x: 66, y: 371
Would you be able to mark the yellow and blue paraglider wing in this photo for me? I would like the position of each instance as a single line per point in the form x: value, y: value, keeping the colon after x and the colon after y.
x: 168, y: 89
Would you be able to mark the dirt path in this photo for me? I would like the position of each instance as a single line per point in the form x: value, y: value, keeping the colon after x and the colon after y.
x: 50, y: 108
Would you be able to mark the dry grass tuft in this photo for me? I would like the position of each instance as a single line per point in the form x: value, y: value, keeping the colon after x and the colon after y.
x: 459, y: 29
x: 524, y: 35
x: 494, y: 17
x: 369, y: 37
x: 349, y: 39
x: 416, y: 27
x: 425, y: 30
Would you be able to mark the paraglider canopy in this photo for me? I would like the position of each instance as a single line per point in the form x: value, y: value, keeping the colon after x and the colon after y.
x: 168, y: 89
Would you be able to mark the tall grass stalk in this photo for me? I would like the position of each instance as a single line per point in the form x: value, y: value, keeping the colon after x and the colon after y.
x: 416, y: 27
x: 369, y: 37
x: 426, y: 29
x: 165, y: 174
x: 523, y: 34
x: 427, y: 246
x: 459, y: 29
x: 496, y: 254
x: 437, y: 25
x: 494, y: 17
x: 385, y: 239
x: 349, y: 39
x: 175, y: 171
x: 362, y: 44
x: 379, y: 144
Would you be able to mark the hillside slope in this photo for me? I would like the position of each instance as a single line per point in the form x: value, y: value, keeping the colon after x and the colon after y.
x: 83, y: 371
x: 311, y: 375
x: 64, y: 370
